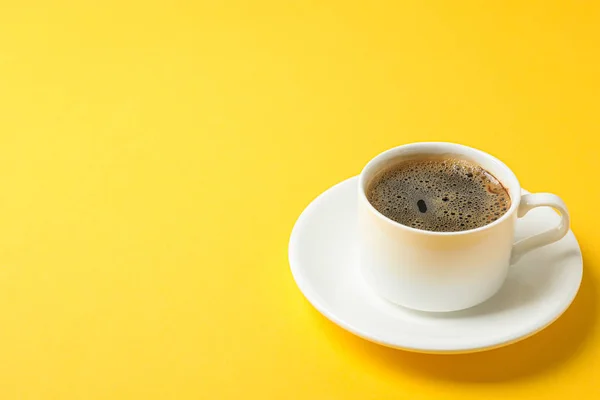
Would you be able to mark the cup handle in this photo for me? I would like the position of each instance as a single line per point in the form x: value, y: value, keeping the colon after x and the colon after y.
x: 529, y: 202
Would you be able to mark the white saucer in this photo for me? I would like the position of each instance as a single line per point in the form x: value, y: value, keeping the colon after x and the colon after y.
x: 322, y: 252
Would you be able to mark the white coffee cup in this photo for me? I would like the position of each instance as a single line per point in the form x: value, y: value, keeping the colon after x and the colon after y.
x: 446, y: 271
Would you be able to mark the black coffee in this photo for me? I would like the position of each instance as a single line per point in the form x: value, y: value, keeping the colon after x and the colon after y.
x: 438, y: 194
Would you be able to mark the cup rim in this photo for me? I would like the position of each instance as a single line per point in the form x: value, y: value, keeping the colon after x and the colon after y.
x: 509, y: 175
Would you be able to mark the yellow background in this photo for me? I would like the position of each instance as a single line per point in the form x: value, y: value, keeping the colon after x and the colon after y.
x: 154, y: 157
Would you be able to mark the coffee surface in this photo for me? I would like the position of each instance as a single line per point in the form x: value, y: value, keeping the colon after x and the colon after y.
x: 438, y: 194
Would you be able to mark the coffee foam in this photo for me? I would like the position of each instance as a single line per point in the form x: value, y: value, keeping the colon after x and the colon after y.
x: 438, y: 194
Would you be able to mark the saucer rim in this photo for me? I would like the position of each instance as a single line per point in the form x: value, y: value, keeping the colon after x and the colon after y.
x: 313, y: 297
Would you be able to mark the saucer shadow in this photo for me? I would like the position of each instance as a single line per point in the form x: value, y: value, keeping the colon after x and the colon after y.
x: 549, y: 349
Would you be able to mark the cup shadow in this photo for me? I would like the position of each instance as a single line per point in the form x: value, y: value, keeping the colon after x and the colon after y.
x: 549, y: 349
